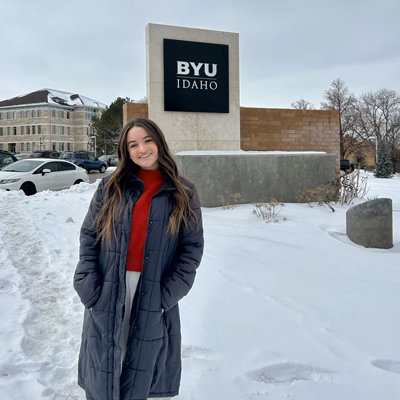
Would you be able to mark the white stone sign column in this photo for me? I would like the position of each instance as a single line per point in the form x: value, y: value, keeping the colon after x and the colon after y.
x: 192, y: 130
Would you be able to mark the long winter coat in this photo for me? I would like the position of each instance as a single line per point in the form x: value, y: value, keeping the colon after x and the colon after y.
x: 152, y: 365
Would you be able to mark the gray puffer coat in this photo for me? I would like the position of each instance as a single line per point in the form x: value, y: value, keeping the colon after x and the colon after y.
x: 152, y: 365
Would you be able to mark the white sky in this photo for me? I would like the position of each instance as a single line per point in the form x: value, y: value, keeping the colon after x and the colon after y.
x: 288, y: 49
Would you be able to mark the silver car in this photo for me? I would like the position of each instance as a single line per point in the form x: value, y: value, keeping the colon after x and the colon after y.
x: 35, y: 175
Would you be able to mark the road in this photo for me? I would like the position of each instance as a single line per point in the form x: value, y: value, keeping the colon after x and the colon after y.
x: 94, y: 175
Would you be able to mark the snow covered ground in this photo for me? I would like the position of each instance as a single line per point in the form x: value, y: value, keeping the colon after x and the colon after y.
x: 287, y: 310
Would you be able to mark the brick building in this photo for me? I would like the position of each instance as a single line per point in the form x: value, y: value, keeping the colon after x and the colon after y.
x: 47, y: 120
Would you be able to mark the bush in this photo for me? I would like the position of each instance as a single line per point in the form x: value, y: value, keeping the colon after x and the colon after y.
x: 342, y: 190
x: 268, y: 212
x: 383, y: 166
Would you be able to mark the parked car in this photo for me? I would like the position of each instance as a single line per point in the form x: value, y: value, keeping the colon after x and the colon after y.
x: 21, y: 156
x: 84, y: 160
x: 33, y: 175
x: 6, y: 158
x: 346, y: 166
x: 114, y: 160
x: 45, y: 154
x: 111, y: 160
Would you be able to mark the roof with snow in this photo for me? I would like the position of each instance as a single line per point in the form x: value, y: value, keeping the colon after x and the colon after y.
x: 50, y: 96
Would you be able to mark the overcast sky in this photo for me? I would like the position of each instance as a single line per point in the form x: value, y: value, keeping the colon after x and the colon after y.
x: 289, y: 49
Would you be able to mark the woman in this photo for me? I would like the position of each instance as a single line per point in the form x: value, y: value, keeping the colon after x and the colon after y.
x: 140, y: 244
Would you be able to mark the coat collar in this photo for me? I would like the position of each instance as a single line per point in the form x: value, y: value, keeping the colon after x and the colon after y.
x: 133, y: 182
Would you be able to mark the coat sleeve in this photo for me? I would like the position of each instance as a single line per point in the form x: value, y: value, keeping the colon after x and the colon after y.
x: 87, y: 280
x: 180, y: 277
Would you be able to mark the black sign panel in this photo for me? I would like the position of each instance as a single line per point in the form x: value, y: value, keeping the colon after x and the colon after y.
x: 196, y: 76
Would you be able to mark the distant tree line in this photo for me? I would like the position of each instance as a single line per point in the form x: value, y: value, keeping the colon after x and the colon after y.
x: 372, y: 117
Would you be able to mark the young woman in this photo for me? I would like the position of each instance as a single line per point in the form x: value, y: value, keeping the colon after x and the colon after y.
x: 140, y: 245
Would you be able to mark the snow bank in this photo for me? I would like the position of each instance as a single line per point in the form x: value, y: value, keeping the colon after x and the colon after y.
x: 285, y: 310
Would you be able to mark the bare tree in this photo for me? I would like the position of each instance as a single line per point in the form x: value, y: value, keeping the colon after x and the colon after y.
x: 302, y: 105
x: 378, y: 115
x: 339, y: 98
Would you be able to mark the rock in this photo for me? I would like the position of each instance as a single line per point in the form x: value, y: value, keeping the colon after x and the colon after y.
x: 371, y: 224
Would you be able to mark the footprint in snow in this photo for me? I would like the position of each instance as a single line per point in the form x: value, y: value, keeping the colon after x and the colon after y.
x: 387, y: 365
x: 289, y: 372
x: 6, y: 286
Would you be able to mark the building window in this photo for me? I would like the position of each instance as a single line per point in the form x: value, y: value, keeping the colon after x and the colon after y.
x: 28, y: 114
x: 33, y: 129
x: 22, y: 130
x: 1, y: 131
x: 8, y: 131
x: 21, y: 114
x: 14, y: 115
x: 68, y: 146
x: 68, y: 130
x: 28, y: 147
x: 60, y: 114
x: 28, y: 130
x: 22, y: 146
x: 1, y: 115
x: 8, y: 115
x: 33, y: 146
x: 14, y: 130
x: 61, y: 130
x: 1, y: 146
x: 33, y: 113
x: 67, y: 115
x: 60, y: 146
x: 53, y: 113
x: 39, y: 129
x: 53, y: 129
x: 39, y: 113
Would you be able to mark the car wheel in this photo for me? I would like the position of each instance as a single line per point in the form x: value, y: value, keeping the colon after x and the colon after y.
x: 28, y: 188
x: 78, y: 182
x: 102, y: 169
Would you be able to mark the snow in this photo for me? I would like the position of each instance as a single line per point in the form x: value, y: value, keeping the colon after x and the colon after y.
x: 77, y: 101
x: 287, y: 310
x: 241, y: 152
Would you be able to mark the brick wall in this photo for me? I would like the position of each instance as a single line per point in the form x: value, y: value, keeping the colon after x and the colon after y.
x: 135, y: 110
x: 268, y: 129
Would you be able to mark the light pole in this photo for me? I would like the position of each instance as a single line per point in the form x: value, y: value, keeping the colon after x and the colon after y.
x: 73, y: 143
x: 376, y: 147
x: 94, y: 137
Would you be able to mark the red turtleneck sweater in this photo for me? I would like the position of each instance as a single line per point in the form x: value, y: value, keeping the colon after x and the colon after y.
x: 152, y: 181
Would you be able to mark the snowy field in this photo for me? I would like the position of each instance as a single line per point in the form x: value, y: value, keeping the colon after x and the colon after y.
x: 291, y: 310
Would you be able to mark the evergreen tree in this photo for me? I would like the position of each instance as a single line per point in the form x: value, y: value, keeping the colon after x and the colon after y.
x: 383, y: 166
x: 108, y: 127
x: 360, y: 161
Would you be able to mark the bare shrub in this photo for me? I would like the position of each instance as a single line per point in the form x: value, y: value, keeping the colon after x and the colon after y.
x: 342, y: 190
x: 268, y: 212
x: 229, y: 201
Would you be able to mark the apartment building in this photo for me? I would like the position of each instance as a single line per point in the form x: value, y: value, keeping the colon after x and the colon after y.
x: 48, y: 120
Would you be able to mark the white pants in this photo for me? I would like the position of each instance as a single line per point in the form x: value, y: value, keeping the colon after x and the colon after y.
x: 132, y: 279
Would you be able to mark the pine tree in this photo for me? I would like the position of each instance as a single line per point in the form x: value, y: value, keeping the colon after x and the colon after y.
x: 109, y: 126
x: 383, y: 166
x: 360, y: 161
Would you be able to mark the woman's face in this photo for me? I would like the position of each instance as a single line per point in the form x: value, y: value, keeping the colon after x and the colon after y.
x: 142, y: 149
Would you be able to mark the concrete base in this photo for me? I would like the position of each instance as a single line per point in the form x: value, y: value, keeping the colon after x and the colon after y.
x: 371, y: 224
x: 256, y: 176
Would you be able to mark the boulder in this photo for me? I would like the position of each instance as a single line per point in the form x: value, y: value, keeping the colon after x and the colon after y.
x: 371, y: 224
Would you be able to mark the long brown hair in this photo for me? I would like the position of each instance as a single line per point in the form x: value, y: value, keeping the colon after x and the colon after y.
x: 114, y: 188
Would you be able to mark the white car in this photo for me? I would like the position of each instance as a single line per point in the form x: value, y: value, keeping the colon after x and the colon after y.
x: 34, y: 175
